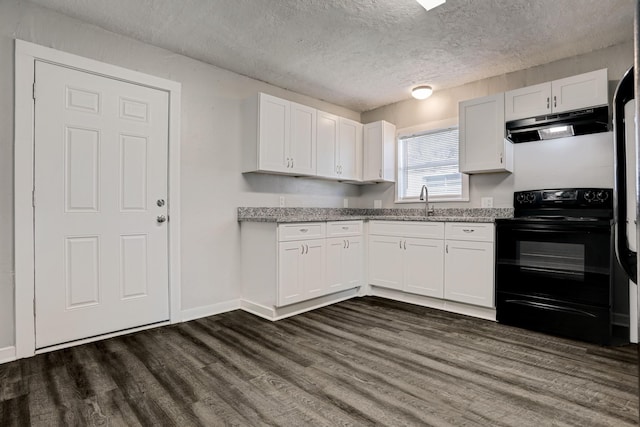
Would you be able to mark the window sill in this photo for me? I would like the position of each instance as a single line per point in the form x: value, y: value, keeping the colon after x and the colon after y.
x: 434, y: 200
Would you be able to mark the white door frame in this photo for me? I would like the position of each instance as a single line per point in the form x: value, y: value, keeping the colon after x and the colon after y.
x: 25, y: 55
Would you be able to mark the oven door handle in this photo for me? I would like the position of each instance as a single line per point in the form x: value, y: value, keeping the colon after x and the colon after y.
x: 550, y: 307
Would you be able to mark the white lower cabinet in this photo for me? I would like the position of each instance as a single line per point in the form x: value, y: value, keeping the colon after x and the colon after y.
x: 293, y: 267
x: 301, y: 268
x: 451, y: 261
x: 469, y: 263
x: 344, y: 263
x: 404, y: 263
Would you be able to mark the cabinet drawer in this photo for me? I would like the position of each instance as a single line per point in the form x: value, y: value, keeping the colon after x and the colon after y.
x: 434, y: 230
x: 481, y: 232
x: 301, y: 231
x: 344, y: 228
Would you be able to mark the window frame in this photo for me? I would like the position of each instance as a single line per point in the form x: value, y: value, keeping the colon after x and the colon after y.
x: 419, y: 130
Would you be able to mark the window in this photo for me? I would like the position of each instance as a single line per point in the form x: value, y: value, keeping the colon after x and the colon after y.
x: 430, y: 158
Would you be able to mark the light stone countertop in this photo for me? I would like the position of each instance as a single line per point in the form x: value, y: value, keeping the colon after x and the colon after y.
x: 290, y: 215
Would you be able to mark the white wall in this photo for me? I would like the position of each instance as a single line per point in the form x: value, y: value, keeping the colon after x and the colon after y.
x: 540, y: 164
x: 212, y: 183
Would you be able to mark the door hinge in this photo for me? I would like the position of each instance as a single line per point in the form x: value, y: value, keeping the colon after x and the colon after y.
x: 34, y: 91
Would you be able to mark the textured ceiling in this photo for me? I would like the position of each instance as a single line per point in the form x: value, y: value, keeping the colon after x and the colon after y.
x: 363, y: 54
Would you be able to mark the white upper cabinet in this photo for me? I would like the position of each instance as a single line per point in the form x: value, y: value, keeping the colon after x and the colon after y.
x: 282, y: 136
x: 483, y: 146
x: 350, y: 150
x: 327, y: 144
x: 572, y: 93
x: 339, y: 149
x: 379, y: 152
x: 302, y: 147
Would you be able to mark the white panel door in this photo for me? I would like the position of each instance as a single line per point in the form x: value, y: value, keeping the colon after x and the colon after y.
x: 274, y: 134
x: 352, y: 263
x: 581, y: 91
x: 469, y: 272
x: 302, y: 147
x: 386, y: 258
x: 290, y: 288
x: 101, y: 256
x: 350, y: 150
x: 313, y: 266
x: 335, y: 258
x: 327, y: 145
x: 372, y: 148
x: 424, y: 267
x: 530, y: 101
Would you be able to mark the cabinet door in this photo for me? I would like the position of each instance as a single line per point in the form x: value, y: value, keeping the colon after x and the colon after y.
x: 290, y: 287
x: 313, y: 269
x: 334, y: 271
x: 352, y: 263
x: 385, y: 261
x: 581, y: 91
x: 273, y: 133
x: 482, y: 142
x: 372, y: 146
x: 469, y: 268
x: 527, y: 102
x: 302, y: 146
x: 424, y: 267
x: 327, y: 145
x: 350, y: 150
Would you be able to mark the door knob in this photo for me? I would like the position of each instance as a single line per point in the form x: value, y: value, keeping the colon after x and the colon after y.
x: 161, y: 218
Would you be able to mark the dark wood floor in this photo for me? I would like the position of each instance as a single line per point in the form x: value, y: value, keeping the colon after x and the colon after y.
x: 361, y: 362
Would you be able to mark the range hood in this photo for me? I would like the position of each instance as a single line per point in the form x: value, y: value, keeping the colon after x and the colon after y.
x: 579, y: 122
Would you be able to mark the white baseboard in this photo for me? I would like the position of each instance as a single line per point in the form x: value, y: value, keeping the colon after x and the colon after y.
x: 7, y: 354
x: 278, y: 313
x: 440, y: 304
x: 210, y: 310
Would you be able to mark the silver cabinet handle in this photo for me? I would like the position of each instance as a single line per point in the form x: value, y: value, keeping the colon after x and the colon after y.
x: 344, y: 244
x: 161, y: 218
x: 301, y: 249
x: 348, y: 244
x: 160, y: 203
x: 400, y: 243
x: 405, y: 245
x: 555, y: 102
x: 292, y: 162
x: 307, y: 246
x: 446, y: 249
x: 547, y: 102
x: 468, y: 230
x: 380, y: 173
x: 344, y: 227
x: 304, y: 230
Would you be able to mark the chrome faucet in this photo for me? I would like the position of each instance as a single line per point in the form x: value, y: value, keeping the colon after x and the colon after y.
x: 424, y: 196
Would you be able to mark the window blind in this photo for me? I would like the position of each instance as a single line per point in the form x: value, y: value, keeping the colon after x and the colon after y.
x: 432, y: 159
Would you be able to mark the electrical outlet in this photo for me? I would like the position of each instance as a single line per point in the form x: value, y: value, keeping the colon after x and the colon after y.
x: 345, y: 203
x: 377, y: 204
x: 486, y: 202
x: 282, y: 201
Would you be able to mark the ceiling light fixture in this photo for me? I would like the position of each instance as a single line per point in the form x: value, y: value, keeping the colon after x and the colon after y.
x: 421, y: 92
x: 430, y: 4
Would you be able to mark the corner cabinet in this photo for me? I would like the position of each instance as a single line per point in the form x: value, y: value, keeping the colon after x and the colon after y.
x: 281, y: 136
x: 558, y: 96
x: 379, y: 152
x: 294, y: 267
x: 407, y: 256
x: 469, y: 263
x: 483, y: 146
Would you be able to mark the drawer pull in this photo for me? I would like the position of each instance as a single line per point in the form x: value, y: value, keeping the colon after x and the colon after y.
x: 304, y: 230
x: 344, y: 227
x: 468, y: 230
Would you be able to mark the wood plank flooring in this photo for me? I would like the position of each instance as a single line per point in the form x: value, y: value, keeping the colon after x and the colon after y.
x: 366, y: 361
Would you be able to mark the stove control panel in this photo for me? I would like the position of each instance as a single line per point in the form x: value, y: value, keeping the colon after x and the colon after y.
x: 564, y: 198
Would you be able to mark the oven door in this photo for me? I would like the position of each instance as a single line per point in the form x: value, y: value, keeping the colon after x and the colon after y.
x: 563, y: 260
